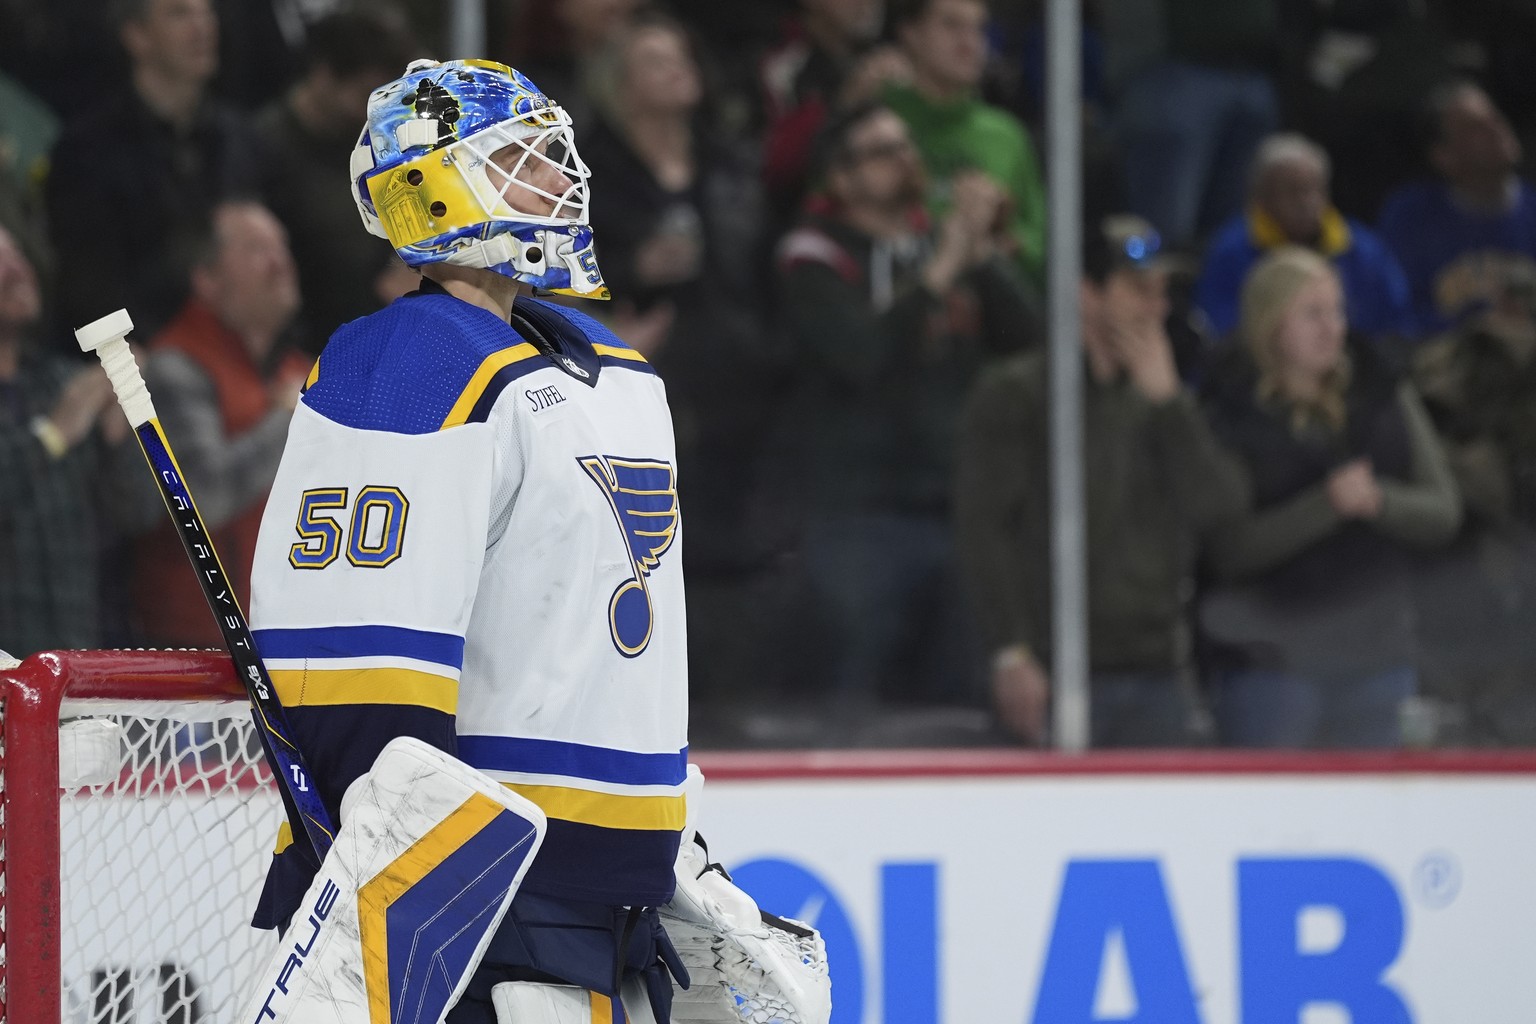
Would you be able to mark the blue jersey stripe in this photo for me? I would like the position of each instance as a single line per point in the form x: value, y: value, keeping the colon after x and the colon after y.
x: 576, y: 760
x: 618, y: 867
x: 362, y: 642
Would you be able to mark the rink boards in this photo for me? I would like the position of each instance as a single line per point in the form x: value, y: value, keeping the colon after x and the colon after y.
x: 1180, y: 889
x: 995, y: 888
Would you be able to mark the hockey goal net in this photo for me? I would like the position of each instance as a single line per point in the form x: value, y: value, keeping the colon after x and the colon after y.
x: 137, y: 817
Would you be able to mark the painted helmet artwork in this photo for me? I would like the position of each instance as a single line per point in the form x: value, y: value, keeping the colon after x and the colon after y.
x: 467, y: 162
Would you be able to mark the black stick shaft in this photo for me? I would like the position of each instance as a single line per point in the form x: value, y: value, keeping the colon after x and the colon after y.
x: 272, y: 723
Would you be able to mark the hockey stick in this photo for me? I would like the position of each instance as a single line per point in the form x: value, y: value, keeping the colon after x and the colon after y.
x: 107, y: 338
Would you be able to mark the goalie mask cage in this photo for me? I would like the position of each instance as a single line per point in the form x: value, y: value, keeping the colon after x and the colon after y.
x: 129, y: 874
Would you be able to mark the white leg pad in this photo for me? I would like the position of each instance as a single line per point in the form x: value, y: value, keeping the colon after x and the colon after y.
x: 637, y: 1001
x: 429, y: 856
x: 535, y: 1002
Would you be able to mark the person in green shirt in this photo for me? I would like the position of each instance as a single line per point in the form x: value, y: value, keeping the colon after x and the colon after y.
x: 955, y: 130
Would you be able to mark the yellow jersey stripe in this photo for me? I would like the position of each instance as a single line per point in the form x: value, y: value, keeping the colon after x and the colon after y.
x: 492, y: 365
x: 314, y: 375
x: 602, y: 1007
x: 284, y: 838
x: 297, y: 687
x: 644, y: 813
x: 618, y: 353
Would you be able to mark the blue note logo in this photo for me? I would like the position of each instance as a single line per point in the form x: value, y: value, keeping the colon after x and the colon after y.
x: 642, y: 493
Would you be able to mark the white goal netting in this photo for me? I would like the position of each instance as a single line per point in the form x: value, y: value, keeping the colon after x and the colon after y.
x: 167, y: 817
x: 160, y: 867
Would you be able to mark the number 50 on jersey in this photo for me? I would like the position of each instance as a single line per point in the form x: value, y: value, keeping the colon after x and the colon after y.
x: 374, y: 534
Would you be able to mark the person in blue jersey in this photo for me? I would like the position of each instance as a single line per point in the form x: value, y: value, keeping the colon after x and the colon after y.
x: 1460, y: 234
x: 474, y: 538
x: 1289, y: 203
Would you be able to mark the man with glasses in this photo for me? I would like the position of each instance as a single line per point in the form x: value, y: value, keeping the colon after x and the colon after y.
x: 891, y: 322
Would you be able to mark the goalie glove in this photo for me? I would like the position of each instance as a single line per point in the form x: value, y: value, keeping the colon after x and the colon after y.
x: 745, y: 965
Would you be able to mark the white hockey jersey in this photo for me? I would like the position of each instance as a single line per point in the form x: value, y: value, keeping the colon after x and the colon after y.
x: 476, y: 540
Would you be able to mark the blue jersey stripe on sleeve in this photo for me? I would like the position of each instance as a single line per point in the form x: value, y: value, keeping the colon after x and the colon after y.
x: 362, y: 642
x: 577, y: 760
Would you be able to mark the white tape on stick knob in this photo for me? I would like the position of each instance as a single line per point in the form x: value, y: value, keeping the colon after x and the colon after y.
x: 107, y: 338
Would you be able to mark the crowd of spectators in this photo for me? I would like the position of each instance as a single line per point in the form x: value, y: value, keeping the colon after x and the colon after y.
x: 1308, y: 332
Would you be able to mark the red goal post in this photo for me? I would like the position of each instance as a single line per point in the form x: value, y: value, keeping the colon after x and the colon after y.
x: 128, y: 875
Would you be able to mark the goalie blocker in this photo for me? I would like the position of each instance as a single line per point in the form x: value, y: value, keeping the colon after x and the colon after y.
x: 429, y: 856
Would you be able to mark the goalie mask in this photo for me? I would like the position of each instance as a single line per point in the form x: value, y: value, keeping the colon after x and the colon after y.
x: 466, y: 162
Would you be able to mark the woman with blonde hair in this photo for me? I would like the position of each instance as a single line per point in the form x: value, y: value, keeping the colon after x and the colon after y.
x: 1311, y: 615
x: 678, y: 207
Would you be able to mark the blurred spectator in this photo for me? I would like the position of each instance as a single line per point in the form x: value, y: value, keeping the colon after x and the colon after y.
x: 306, y: 137
x: 1456, y: 237
x: 1477, y: 600
x: 225, y: 391
x: 1496, y: 38
x: 1016, y: 79
x: 828, y: 61
x: 675, y: 201
x: 946, y: 44
x: 36, y: 40
x: 1312, y: 616
x: 1479, y: 385
x: 53, y: 415
x: 890, y: 325
x: 1195, y: 97
x: 553, y: 44
x: 735, y: 36
x: 262, y: 43
x: 1288, y: 204
x: 1017, y: 76
x: 28, y: 130
x: 677, y: 215
x: 1358, y: 74
x: 1156, y: 479
x: 129, y: 183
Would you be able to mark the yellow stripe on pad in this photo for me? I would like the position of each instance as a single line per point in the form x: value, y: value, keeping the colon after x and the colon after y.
x: 376, y: 896
x: 618, y: 353
x: 297, y: 688
x: 493, y: 364
x: 644, y: 813
x: 602, y: 1007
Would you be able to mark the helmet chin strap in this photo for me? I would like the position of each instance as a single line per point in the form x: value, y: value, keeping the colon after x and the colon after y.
x: 532, y: 260
x: 524, y: 257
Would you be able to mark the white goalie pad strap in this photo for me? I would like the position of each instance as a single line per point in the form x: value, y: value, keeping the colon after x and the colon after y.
x: 744, y: 966
x: 429, y: 856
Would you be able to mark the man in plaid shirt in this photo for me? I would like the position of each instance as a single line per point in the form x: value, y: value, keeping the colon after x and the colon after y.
x: 52, y: 415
